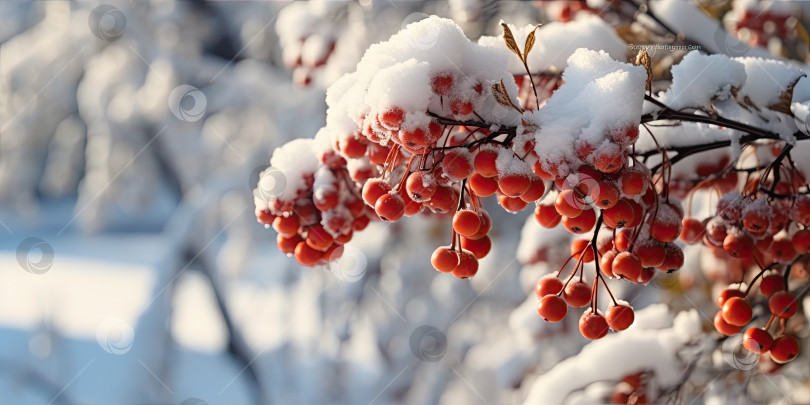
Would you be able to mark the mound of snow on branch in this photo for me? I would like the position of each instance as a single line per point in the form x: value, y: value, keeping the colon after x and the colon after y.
x: 647, y: 345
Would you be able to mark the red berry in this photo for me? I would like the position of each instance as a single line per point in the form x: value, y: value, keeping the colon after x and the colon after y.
x: 286, y: 226
x: 737, y: 311
x: 608, y: 160
x: 306, y: 255
x: 547, y: 216
x: 467, y: 265
x: 421, y: 186
x: 756, y: 221
x: 647, y: 274
x: 625, y: 136
x: 785, y: 348
x: 548, y: 284
x: 783, y: 304
x: 620, y: 317
x: 537, y: 168
x: 318, y: 238
x: 552, y: 308
x: 634, y: 180
x: 578, y: 246
x: 593, y: 326
x: 692, y: 230
x: 390, y: 207
x: 623, y: 239
x: 392, y: 118
x: 627, y: 265
x: 326, y: 201
x: 287, y: 244
x: 486, y: 225
x: 514, y: 184
x: 483, y: 186
x: 739, y: 245
x: 459, y: 107
x: 373, y: 190
x: 466, y: 222
x: 353, y: 147
x: 442, y: 84
x: 265, y: 217
x: 577, y: 294
x: 801, y: 241
x: 484, y: 162
x: 457, y: 164
x: 480, y: 247
x: 511, y: 204
x: 444, y: 200
x: 771, y: 284
x: 728, y: 293
x: 411, y: 207
x: 619, y: 215
x: 536, y: 190
x: 360, y: 223
x: 724, y: 327
x: 582, y: 223
x: 782, y: 250
x: 604, y: 195
x: 652, y: 254
x: 757, y: 340
x: 606, y: 262
x: 673, y: 259
x: 444, y: 259
x: 569, y: 203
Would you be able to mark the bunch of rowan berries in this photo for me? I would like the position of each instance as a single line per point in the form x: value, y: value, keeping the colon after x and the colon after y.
x: 607, y: 187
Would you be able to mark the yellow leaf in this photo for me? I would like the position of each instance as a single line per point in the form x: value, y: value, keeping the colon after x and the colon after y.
x: 529, y: 44
x: 510, y: 41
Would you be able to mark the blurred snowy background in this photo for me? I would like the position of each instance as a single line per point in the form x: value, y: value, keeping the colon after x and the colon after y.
x: 132, y: 269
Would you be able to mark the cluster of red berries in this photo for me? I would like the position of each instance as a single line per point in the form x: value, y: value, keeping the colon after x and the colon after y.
x: 321, y: 219
x: 641, y: 227
x: 632, y: 390
x: 736, y: 312
x: 766, y: 223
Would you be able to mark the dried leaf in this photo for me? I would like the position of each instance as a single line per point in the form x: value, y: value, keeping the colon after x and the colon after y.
x: 643, y: 59
x: 501, y: 95
x: 529, y: 43
x: 783, y: 106
x: 510, y: 41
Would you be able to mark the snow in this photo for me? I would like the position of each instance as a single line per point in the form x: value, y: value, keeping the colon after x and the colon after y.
x: 630, y: 351
x: 684, y: 17
x: 583, y: 107
x: 700, y: 79
x: 772, y: 78
x: 294, y: 160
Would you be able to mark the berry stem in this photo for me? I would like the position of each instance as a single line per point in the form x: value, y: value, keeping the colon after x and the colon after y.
x: 770, y: 321
x: 761, y: 272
